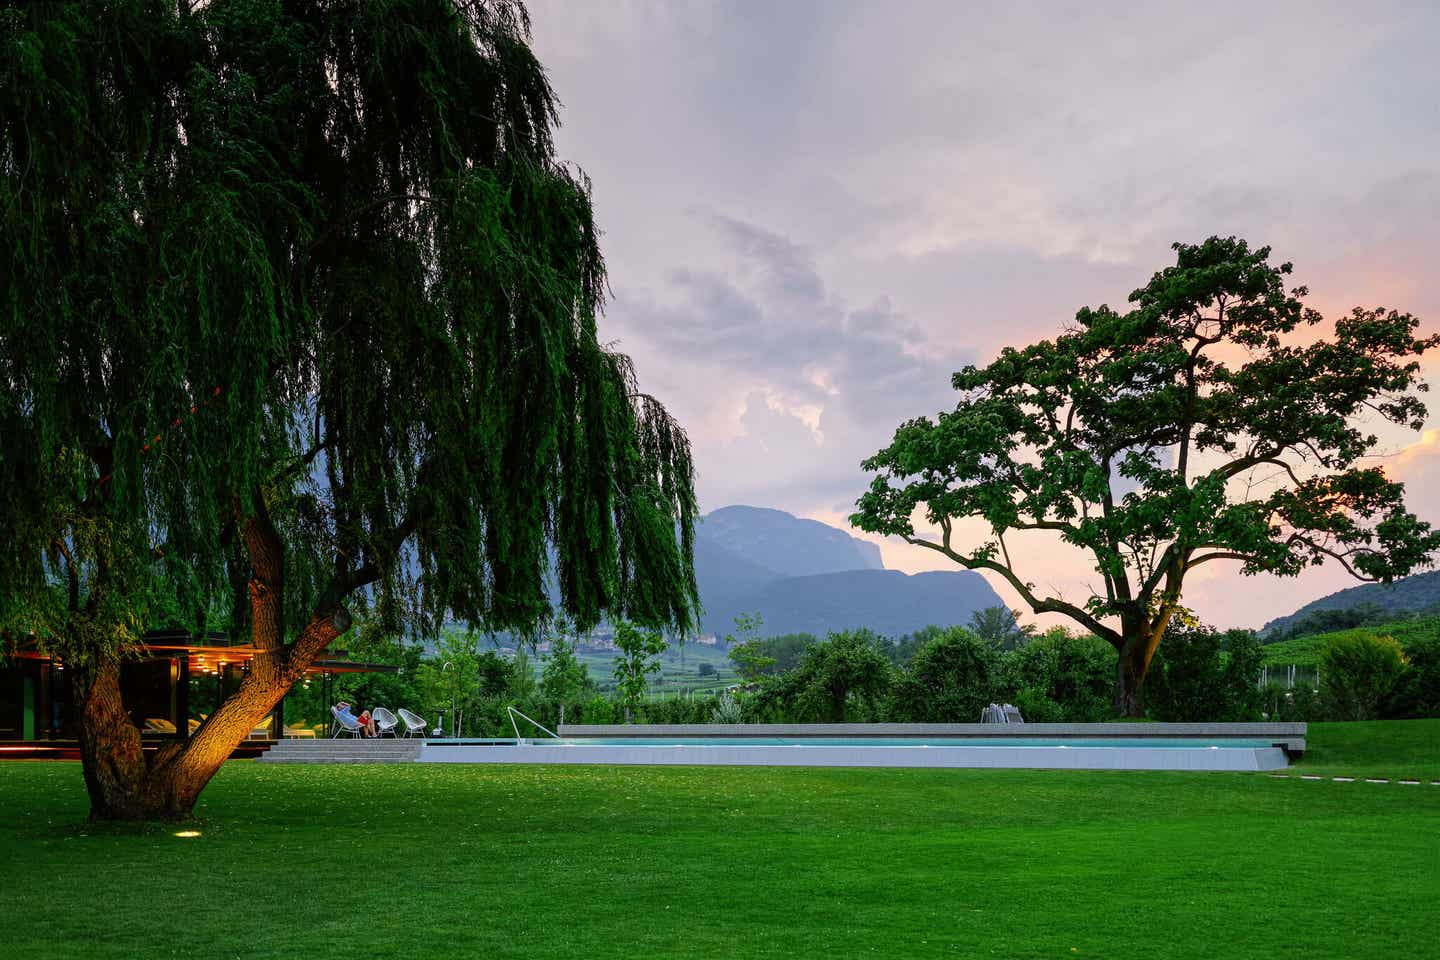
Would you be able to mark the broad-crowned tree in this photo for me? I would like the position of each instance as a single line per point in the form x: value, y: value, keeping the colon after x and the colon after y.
x: 299, y: 302
x: 1211, y: 422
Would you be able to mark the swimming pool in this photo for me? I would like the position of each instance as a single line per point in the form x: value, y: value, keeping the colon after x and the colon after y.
x: 994, y: 751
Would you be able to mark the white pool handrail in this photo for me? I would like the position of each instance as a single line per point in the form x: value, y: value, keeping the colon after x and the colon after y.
x: 519, y: 740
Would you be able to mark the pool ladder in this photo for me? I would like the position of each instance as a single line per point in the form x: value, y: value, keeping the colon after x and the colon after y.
x: 519, y: 740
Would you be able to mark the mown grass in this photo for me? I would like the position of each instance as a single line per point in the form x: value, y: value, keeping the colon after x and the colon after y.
x: 419, y: 861
x: 1394, y: 749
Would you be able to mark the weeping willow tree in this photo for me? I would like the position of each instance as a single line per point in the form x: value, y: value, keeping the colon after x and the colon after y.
x: 300, y: 308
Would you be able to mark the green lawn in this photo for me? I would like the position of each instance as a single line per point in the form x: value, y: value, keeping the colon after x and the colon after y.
x: 411, y: 862
x: 1404, y: 749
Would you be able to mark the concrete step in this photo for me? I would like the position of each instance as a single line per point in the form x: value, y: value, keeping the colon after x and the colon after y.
x: 344, y: 751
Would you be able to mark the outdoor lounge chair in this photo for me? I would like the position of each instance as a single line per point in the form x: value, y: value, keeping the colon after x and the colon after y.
x: 385, y: 721
x: 413, y: 724
x: 345, y: 724
x: 158, y: 725
x: 996, y: 713
x: 298, y: 733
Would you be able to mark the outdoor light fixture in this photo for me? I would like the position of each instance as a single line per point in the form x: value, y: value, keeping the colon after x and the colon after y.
x: 187, y: 834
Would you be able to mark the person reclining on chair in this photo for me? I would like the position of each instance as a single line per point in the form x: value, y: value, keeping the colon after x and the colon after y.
x: 365, y: 721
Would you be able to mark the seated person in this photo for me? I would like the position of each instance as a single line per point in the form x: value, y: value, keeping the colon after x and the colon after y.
x: 366, y: 722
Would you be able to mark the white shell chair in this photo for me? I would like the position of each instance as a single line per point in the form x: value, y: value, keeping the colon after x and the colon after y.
x: 347, y: 724
x: 413, y: 724
x: 385, y: 721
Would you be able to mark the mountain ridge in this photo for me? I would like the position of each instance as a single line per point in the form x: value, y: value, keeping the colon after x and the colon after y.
x: 1413, y: 594
x: 822, y: 579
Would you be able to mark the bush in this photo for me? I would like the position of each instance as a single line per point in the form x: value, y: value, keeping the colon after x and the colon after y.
x: 1419, y: 694
x: 726, y: 710
x: 676, y: 710
x: 844, y: 678
x: 1361, y: 676
x: 1036, y: 707
x: 1192, y: 680
x: 1298, y: 704
x: 1069, y: 679
x: 949, y: 680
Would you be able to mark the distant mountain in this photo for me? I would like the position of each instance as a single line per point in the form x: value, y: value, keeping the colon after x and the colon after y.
x: 804, y: 576
x: 786, y: 544
x: 887, y: 601
x: 1409, y: 595
x: 722, y: 572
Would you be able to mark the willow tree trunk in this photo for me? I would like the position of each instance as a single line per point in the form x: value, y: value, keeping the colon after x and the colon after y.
x: 111, y: 756
x: 124, y: 783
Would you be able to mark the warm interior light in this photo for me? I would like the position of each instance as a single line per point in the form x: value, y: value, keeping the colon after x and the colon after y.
x: 188, y: 833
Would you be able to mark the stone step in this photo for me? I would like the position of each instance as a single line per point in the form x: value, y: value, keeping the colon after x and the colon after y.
x: 356, y: 748
x: 350, y: 760
x: 344, y: 751
x: 359, y: 747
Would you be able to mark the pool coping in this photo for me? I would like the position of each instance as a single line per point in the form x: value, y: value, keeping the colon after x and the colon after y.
x: 997, y: 756
x: 1290, y: 737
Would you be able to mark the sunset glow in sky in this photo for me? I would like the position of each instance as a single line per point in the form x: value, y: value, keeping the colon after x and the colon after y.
x: 815, y: 212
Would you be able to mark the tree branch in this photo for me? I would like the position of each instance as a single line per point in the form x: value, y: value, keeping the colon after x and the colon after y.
x: 71, y: 573
x: 1037, y: 605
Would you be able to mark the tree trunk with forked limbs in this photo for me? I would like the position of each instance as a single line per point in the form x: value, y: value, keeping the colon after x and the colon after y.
x: 126, y: 784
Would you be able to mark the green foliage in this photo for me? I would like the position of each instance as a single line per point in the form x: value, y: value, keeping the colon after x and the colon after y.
x: 639, y: 658
x: 564, y: 677
x: 1059, y: 677
x: 1361, y: 675
x: 369, y: 644
x: 320, y: 261
x: 1130, y: 436
x: 1331, y: 621
x: 904, y: 649
x: 769, y: 656
x: 1419, y: 693
x: 522, y: 674
x: 745, y: 648
x: 727, y: 709
x: 1305, y: 650
x: 1000, y: 626
x: 1301, y: 703
x: 1203, y: 675
x: 845, y: 677
x: 949, y: 680
x: 750, y: 661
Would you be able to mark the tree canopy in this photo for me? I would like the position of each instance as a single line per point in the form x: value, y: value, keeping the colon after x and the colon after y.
x: 1207, y: 423
x: 299, y: 303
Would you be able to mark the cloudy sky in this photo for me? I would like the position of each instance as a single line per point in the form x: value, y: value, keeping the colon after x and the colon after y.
x: 814, y: 212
